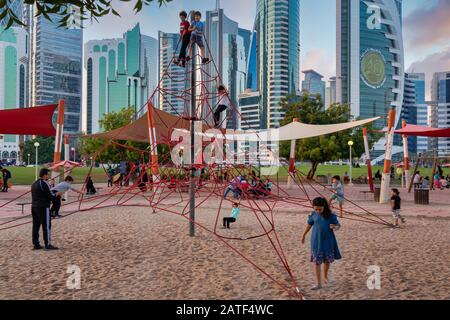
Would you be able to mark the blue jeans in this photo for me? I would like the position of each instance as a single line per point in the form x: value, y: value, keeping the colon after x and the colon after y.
x: 235, y: 192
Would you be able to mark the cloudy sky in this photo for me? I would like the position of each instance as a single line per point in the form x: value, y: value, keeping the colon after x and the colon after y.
x: 426, y: 29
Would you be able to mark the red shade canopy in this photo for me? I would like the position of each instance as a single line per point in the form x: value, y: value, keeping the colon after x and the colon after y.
x: 28, y: 121
x: 421, y: 131
x: 66, y: 164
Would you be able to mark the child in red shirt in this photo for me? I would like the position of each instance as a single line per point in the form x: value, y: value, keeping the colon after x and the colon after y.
x: 185, y: 38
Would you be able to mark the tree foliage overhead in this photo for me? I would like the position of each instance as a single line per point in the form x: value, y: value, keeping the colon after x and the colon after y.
x: 310, y: 110
x: 63, y: 10
x: 45, y: 151
x: 121, y: 150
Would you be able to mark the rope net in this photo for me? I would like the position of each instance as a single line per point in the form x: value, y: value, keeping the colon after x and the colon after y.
x: 163, y: 187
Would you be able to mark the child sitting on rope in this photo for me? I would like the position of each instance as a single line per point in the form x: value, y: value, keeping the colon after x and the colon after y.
x: 90, y: 189
x: 338, y: 193
x: 324, y: 247
x: 233, y: 186
x: 223, y: 104
x: 234, y: 214
x: 196, y: 29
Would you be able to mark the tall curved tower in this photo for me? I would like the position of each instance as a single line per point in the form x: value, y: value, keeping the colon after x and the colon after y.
x: 370, y: 57
x: 278, y: 31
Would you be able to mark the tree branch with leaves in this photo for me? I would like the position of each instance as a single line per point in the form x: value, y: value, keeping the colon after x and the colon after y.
x: 61, y: 12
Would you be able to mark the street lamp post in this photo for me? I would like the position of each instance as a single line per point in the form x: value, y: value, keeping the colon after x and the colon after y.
x: 350, y: 144
x: 36, y: 145
x: 73, y: 152
x: 28, y: 159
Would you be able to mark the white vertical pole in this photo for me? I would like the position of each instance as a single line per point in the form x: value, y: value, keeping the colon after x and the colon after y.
x: 58, y: 138
x: 406, y: 156
x: 386, y: 178
x: 350, y: 163
x: 291, y: 161
x: 66, y: 157
x: 368, y: 163
x: 36, y: 169
x: 1, y: 148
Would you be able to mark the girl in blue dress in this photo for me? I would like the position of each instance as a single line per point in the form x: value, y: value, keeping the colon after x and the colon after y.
x: 324, y: 247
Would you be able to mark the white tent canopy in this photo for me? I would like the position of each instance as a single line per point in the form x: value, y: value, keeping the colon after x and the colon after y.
x: 292, y: 131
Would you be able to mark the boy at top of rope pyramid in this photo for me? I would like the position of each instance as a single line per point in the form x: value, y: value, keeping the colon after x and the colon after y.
x: 196, y: 28
x: 185, y: 38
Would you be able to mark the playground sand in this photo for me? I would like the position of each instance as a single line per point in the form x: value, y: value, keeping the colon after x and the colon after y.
x: 130, y: 253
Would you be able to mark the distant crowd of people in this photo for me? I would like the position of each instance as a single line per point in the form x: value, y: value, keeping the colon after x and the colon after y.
x: 241, y: 187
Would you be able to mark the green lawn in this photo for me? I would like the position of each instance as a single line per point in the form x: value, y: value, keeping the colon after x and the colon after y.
x: 25, y: 176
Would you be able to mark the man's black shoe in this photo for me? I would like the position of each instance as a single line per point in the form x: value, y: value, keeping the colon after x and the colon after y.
x: 37, y: 247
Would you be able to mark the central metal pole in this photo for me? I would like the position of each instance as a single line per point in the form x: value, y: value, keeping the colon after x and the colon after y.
x: 193, y: 116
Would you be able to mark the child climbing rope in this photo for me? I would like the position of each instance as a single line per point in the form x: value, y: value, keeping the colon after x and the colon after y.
x: 196, y: 28
x: 61, y: 188
x: 185, y: 38
x: 338, y: 193
x: 324, y: 247
x: 223, y: 104
x: 234, y: 215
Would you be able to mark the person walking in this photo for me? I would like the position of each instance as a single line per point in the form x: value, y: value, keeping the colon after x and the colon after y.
x: 6, y: 176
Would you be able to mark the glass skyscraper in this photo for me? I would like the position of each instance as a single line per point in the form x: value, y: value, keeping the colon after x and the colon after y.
x: 278, y: 30
x: 252, y: 63
x: 229, y: 47
x: 118, y: 72
x: 173, y: 80
x: 150, y: 45
x: 55, y: 72
x: 440, y: 94
x: 370, y: 57
x: 421, y: 115
x: 13, y: 82
x: 313, y: 84
x: 409, y: 110
x: 15, y: 6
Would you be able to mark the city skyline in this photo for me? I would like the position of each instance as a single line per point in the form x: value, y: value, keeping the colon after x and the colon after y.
x: 427, y: 45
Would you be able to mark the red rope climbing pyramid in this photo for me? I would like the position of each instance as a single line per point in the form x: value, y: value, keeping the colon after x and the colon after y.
x: 162, y: 187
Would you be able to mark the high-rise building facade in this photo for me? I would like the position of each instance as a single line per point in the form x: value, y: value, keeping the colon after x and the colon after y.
x: 118, y: 74
x: 418, y: 81
x: 440, y: 93
x: 150, y: 46
x: 16, y: 6
x: 278, y: 52
x: 249, y: 110
x: 227, y: 48
x: 330, y: 94
x: 409, y: 111
x: 13, y: 82
x: 56, y: 67
x: 252, y: 63
x: 313, y: 84
x: 174, y: 81
x: 370, y: 57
